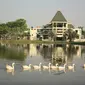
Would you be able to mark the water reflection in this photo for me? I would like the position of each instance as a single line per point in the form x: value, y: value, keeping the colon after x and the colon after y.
x: 54, y: 53
x: 60, y: 53
x: 10, y: 71
x: 25, y: 54
x: 9, y: 51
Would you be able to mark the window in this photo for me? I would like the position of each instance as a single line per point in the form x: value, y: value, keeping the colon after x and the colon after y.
x: 64, y: 24
x: 54, y: 24
x: 59, y: 24
x: 45, y: 37
x: 76, y: 31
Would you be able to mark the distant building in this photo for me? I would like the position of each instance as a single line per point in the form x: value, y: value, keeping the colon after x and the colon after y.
x: 79, y: 32
x: 34, y: 33
x: 60, y: 25
x: 57, y: 26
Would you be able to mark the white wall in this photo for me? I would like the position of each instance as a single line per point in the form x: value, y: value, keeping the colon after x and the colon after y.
x: 79, y: 32
x: 33, y: 33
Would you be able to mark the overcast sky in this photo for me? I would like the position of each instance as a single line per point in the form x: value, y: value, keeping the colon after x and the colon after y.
x: 41, y: 12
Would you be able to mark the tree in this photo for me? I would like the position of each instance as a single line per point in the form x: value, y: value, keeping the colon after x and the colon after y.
x: 17, y: 28
x: 21, y: 23
x: 83, y: 31
x: 70, y: 35
x: 46, y: 33
x: 52, y: 35
x: 13, y: 29
x: 3, y: 30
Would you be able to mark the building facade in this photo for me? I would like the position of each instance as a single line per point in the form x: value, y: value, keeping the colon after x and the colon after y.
x: 57, y: 26
x: 60, y: 25
x: 34, y: 32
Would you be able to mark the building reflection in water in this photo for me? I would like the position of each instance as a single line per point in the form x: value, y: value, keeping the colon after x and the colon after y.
x: 83, y: 53
x: 46, y: 51
x: 33, y: 50
x: 26, y: 48
x: 54, y: 53
x: 73, y: 51
x: 59, y: 53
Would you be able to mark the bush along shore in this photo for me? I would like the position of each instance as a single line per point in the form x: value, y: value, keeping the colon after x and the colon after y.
x: 78, y: 43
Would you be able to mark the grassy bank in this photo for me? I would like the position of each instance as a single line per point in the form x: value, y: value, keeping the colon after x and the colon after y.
x: 78, y: 43
x: 30, y: 41
x: 39, y: 42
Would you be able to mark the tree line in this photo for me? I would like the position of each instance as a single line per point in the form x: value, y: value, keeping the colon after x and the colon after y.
x: 13, y: 29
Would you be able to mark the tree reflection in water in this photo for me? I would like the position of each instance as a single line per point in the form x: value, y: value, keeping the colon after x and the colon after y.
x: 8, y: 51
x: 54, y: 53
x: 83, y: 53
x: 71, y: 51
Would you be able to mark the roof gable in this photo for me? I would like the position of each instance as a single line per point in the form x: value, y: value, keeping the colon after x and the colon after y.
x: 59, y: 17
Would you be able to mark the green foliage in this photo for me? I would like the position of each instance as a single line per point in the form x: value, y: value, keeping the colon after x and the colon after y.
x: 83, y: 33
x: 3, y: 30
x: 13, y: 28
x: 45, y: 32
x: 70, y: 35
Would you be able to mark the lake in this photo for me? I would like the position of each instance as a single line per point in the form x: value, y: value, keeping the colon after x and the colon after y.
x: 25, y: 54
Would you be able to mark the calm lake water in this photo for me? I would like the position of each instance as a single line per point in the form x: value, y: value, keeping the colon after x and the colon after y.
x: 26, y: 54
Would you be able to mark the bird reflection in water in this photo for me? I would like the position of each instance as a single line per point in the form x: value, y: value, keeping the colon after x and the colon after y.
x: 83, y: 66
x: 10, y: 71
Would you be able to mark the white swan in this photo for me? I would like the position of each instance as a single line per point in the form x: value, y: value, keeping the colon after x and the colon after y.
x: 84, y: 66
x: 71, y: 67
x: 25, y: 67
x: 54, y: 67
x: 62, y: 68
x: 37, y: 67
x: 8, y: 67
x: 47, y: 67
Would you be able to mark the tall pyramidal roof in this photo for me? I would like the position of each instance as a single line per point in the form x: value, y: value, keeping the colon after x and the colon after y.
x: 59, y: 17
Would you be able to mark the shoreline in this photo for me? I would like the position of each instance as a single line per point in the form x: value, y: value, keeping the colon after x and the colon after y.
x: 39, y: 42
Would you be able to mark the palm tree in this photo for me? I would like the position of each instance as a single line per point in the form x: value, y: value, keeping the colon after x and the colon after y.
x: 52, y: 35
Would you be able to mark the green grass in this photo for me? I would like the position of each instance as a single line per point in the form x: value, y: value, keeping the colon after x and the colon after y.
x: 78, y: 43
x: 30, y: 41
x: 39, y: 42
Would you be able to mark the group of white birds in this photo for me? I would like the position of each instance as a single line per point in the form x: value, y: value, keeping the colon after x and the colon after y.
x: 41, y: 67
x: 44, y: 67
